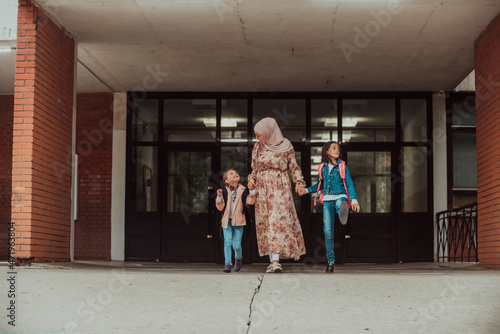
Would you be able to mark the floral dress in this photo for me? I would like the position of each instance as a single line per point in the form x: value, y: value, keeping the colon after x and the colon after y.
x: 277, y: 225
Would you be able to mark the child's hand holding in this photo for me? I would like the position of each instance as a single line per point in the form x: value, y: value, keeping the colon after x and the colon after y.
x: 356, y: 207
x: 219, y: 192
x: 300, y: 190
x: 251, y: 185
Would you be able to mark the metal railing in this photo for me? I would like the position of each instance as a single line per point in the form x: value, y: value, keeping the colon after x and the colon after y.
x: 457, y: 234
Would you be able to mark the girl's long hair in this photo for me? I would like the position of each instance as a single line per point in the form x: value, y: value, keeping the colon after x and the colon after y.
x: 326, y: 147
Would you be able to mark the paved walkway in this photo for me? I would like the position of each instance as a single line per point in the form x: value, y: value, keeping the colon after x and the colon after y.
x: 102, y: 297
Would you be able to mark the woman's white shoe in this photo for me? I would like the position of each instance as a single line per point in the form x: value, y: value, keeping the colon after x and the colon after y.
x: 277, y: 268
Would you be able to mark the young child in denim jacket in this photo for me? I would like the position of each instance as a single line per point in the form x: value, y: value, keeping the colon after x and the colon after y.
x: 233, y: 218
x: 335, y: 196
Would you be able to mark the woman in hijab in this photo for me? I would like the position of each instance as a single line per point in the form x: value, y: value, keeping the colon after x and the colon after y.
x: 279, y: 234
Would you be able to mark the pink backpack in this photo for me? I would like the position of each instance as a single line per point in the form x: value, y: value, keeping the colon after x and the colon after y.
x: 342, y: 176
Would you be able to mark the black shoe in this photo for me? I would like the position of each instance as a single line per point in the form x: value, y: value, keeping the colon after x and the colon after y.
x: 344, y: 212
x: 227, y: 268
x: 329, y: 268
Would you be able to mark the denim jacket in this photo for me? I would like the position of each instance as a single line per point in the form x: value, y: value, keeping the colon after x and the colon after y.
x: 332, y: 184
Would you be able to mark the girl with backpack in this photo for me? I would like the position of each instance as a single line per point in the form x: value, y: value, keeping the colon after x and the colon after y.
x: 337, y: 192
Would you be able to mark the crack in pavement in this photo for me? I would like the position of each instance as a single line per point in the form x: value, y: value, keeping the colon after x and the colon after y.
x: 257, y: 289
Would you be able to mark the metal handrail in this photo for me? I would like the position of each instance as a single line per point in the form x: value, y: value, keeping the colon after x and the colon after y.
x: 457, y: 234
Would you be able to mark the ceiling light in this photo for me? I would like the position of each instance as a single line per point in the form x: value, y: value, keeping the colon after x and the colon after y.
x: 349, y: 121
x: 226, y: 122
x: 346, y: 121
x: 210, y: 122
x: 229, y: 122
x: 331, y: 121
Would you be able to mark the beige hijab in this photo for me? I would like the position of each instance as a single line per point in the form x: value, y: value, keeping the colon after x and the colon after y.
x: 272, y: 133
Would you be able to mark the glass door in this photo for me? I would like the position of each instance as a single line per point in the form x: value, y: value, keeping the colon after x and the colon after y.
x: 187, y: 227
x: 371, y: 235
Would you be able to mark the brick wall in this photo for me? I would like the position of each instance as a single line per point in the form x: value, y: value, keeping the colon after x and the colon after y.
x: 43, y: 109
x: 6, y: 109
x: 487, y: 65
x: 94, y: 147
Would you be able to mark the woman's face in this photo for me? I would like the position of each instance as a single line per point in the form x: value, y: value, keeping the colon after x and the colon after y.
x: 334, y: 151
x: 260, y: 137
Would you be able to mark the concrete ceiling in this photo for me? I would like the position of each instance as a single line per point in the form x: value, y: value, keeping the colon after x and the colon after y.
x: 262, y: 45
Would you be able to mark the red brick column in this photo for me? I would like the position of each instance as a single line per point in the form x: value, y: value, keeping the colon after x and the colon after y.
x: 6, y: 109
x: 487, y: 65
x: 43, y: 111
x: 94, y: 145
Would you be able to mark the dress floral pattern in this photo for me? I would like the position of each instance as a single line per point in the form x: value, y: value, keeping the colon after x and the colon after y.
x: 277, y: 225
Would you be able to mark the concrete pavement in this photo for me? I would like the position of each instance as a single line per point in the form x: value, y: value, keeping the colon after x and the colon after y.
x: 128, y: 297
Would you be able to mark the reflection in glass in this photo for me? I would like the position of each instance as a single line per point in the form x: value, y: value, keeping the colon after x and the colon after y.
x: 464, y: 112
x: 234, y: 158
x: 414, y: 120
x: 371, y: 174
x: 189, y: 120
x: 234, y: 120
x: 145, y: 120
x: 144, y: 178
x: 464, y: 160
x: 369, y: 120
x: 289, y: 114
x: 414, y: 173
x: 187, y: 181
x: 324, y: 120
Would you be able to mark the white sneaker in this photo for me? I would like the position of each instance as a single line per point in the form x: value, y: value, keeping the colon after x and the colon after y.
x: 277, y: 268
x: 270, y: 268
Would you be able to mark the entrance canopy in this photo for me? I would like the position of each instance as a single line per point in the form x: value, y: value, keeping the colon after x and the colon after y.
x: 260, y: 45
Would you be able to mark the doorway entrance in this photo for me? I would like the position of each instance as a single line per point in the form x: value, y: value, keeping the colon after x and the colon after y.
x: 188, y: 227
x: 371, y: 234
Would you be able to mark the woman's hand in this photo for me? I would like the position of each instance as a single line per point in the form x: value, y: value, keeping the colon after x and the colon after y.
x: 300, y: 190
x: 251, y: 185
x: 355, y: 207
x: 219, y: 192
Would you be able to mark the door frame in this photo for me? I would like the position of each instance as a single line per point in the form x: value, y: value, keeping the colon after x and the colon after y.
x: 392, y: 216
x: 212, y: 230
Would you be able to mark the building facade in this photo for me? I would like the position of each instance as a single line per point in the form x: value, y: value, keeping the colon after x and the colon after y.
x: 132, y: 175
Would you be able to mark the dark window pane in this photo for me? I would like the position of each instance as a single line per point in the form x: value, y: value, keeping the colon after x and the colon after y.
x: 414, y: 120
x: 234, y: 121
x: 144, y: 178
x: 414, y: 173
x: 324, y: 121
x: 368, y: 120
x: 371, y: 174
x: 464, y: 112
x: 187, y: 181
x: 464, y: 160
x: 289, y: 114
x: 145, y: 120
x: 191, y: 120
x: 234, y: 158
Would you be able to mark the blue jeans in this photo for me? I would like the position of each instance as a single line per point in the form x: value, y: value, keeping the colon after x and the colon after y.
x: 232, y: 238
x: 328, y: 222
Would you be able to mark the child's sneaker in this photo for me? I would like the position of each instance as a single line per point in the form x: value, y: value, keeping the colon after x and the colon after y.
x: 238, y: 265
x: 344, y: 212
x: 227, y: 268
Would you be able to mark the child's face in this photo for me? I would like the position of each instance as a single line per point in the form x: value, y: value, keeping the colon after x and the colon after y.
x: 260, y: 137
x: 232, y: 178
x: 334, y: 151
